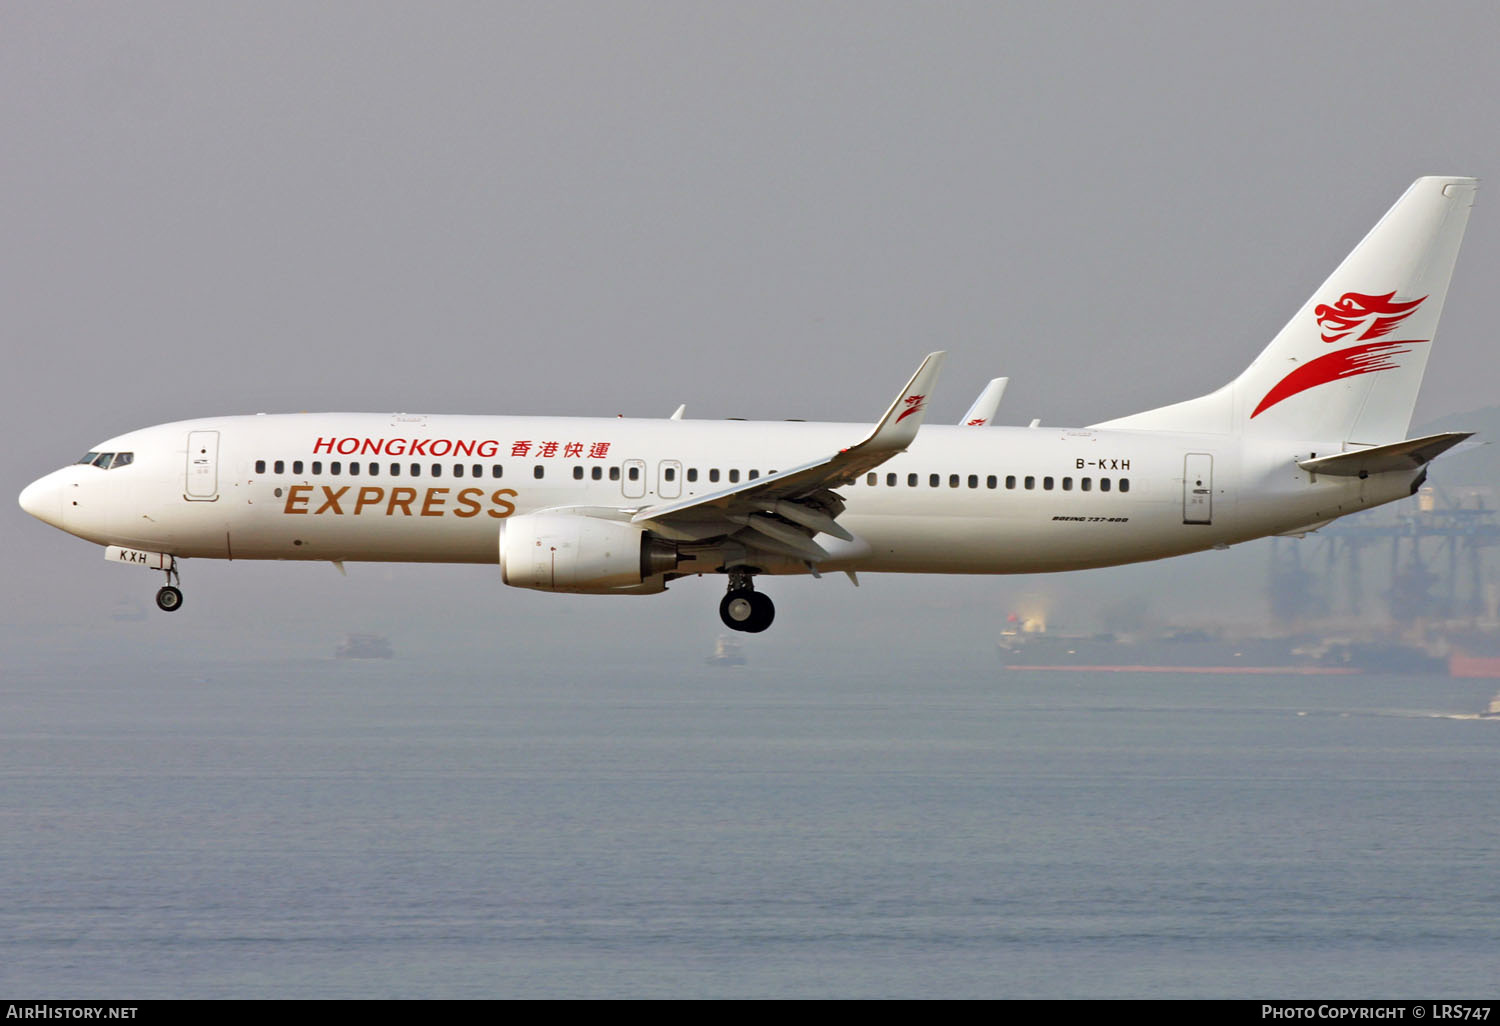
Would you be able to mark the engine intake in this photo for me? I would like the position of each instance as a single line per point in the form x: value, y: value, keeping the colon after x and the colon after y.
x: 580, y: 553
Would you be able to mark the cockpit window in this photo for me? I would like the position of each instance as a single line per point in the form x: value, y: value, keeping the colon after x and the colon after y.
x: 108, y: 460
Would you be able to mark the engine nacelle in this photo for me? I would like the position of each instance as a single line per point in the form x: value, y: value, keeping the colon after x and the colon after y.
x: 582, y: 553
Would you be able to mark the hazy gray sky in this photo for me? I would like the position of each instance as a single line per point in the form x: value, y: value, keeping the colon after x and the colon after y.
x: 759, y: 209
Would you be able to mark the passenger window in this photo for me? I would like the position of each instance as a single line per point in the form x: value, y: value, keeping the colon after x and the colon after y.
x: 973, y: 480
x: 614, y: 473
x: 577, y: 473
x: 260, y: 466
x: 538, y: 470
x: 416, y: 470
x: 754, y: 474
x: 670, y: 473
x: 692, y: 474
x: 478, y: 469
x: 374, y: 469
x: 952, y: 480
x: 911, y: 480
x: 1086, y: 483
x: 1067, y: 484
x: 458, y: 470
x: 296, y: 466
x: 1104, y: 484
x: 1124, y: 484
x: 872, y: 478
x: 497, y: 470
x: 1030, y: 483
x: 596, y: 473
x: 1010, y: 480
x: 991, y: 481
x: 890, y: 480
x: 1047, y: 484
x: 437, y: 470
x: 713, y: 475
x: 317, y: 466
x: 734, y: 477
x: 353, y: 470
x: 933, y: 480
x: 279, y: 466
x: 634, y: 474
x: 395, y: 470
x: 333, y: 468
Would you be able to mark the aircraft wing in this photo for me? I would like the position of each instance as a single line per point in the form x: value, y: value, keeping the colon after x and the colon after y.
x: 783, y: 510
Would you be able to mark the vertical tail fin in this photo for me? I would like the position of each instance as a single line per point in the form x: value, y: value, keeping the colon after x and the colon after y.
x: 1348, y: 366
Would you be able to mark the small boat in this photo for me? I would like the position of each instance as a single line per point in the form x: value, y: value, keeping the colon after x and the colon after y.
x: 364, y: 646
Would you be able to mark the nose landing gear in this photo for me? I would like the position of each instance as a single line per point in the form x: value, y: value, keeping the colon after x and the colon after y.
x: 169, y: 597
x: 744, y: 608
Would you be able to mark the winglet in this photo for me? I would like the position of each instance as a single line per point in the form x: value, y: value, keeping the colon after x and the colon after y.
x: 898, y: 428
x: 983, y: 410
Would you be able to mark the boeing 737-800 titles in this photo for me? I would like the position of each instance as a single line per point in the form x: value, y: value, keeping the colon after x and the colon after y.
x: 1314, y: 429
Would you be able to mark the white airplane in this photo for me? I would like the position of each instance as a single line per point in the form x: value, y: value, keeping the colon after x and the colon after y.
x: 1314, y: 429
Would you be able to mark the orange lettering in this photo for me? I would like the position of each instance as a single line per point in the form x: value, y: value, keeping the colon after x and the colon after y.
x: 509, y: 507
x: 332, y: 500
x: 368, y: 497
x: 434, y: 495
x: 402, y: 497
x: 466, y: 500
x: 295, y: 498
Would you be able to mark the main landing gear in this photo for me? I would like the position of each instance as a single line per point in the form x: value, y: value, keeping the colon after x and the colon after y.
x: 744, y: 608
x: 169, y: 598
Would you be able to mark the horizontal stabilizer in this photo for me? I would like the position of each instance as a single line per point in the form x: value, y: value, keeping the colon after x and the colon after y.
x: 1407, y: 455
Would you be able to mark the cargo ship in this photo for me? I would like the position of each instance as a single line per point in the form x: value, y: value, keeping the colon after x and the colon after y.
x: 1204, y: 652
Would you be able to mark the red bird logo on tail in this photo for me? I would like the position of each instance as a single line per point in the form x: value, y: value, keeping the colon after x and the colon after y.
x: 1355, y: 308
x: 1377, y: 315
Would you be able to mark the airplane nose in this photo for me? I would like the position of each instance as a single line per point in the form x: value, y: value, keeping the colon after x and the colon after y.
x: 43, y: 500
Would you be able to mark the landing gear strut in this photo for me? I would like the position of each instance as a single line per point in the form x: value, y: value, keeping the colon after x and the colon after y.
x: 744, y: 608
x: 169, y: 598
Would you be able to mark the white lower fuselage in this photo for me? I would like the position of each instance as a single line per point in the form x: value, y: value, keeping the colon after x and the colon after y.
x: 957, y: 502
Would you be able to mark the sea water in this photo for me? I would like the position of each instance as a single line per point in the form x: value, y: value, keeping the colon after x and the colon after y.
x: 589, y: 827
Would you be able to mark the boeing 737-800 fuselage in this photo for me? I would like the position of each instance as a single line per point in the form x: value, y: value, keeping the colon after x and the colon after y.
x: 1313, y: 430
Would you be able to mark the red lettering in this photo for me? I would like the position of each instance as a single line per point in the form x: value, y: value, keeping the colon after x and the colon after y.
x: 368, y: 497
x: 465, y: 499
x: 295, y: 496
x: 487, y: 448
x: 572, y: 450
x: 599, y: 451
x: 509, y: 507
x: 446, y: 443
x: 353, y: 446
x: 548, y: 449
x: 323, y: 445
x: 462, y: 448
x: 418, y: 447
x: 372, y: 446
x: 395, y: 447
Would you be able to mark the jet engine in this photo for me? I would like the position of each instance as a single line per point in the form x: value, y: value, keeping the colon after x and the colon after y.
x: 581, y: 553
